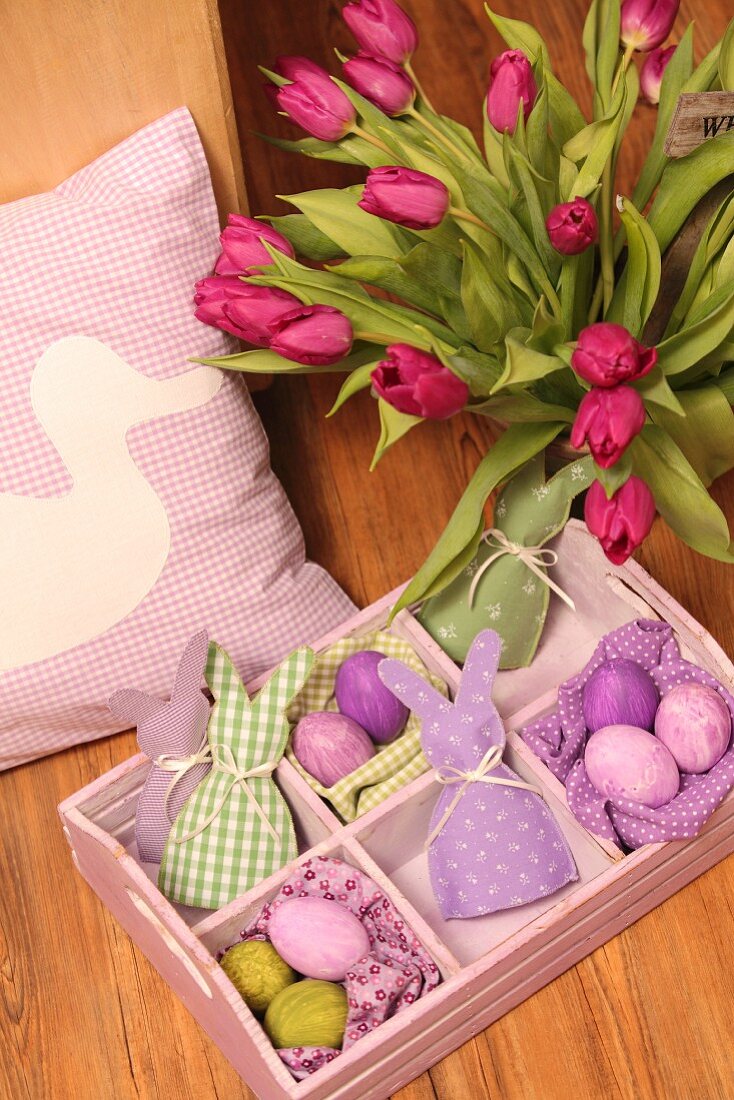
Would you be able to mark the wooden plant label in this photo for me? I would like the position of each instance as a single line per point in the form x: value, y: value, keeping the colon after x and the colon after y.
x: 698, y: 117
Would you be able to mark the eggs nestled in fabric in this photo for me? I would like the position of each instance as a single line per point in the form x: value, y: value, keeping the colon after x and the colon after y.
x: 257, y: 972
x: 628, y: 762
x: 694, y: 723
x: 619, y: 692
x: 330, y: 746
x: 308, y: 1014
x: 317, y: 937
x: 361, y: 695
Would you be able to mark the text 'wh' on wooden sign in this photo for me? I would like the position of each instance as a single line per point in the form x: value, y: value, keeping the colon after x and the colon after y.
x: 698, y: 117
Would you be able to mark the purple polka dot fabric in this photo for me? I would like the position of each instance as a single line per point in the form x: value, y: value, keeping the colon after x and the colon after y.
x: 559, y: 739
x: 397, y: 971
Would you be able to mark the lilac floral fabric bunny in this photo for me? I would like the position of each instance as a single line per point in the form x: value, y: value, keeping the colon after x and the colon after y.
x: 174, y: 732
x: 494, y: 844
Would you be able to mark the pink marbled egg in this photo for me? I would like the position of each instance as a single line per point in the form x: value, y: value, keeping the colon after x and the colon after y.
x: 628, y: 762
x: 317, y: 937
x: 694, y: 723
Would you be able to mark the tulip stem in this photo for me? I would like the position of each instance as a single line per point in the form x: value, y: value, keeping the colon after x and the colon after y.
x: 372, y: 139
x: 435, y: 132
x: 467, y: 216
x: 418, y: 86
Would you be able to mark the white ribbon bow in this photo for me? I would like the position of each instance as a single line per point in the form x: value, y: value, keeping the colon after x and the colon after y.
x: 180, y: 765
x: 228, y: 765
x: 536, y: 558
x: 448, y: 776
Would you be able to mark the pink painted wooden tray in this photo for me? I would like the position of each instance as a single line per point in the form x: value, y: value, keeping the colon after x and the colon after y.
x: 488, y: 964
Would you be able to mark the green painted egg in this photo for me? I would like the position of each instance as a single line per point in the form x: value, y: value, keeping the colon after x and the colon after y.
x: 310, y: 1013
x: 257, y: 972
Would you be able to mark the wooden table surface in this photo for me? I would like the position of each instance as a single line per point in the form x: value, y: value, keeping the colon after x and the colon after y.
x: 650, y: 1015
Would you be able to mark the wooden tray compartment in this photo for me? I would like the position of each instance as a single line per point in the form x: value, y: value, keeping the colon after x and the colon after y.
x: 488, y: 964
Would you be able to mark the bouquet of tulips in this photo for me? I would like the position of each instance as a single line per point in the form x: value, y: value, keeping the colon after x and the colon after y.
x: 520, y: 286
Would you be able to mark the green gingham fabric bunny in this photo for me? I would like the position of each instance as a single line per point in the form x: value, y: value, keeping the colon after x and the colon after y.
x: 236, y: 828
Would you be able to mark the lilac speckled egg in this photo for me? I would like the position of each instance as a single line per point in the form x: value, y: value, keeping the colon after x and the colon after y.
x: 330, y: 746
x: 317, y: 937
x: 694, y: 722
x: 619, y: 693
x: 628, y: 762
x: 361, y: 694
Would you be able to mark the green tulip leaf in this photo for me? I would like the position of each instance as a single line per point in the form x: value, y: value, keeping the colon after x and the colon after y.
x: 705, y: 434
x: 594, y: 145
x: 486, y: 297
x: 637, y: 293
x: 614, y: 478
x: 478, y: 369
x: 684, y: 183
x: 342, y: 152
x: 391, y: 276
x: 359, y: 379
x: 680, y: 495
x: 726, y: 59
x: 393, y: 426
x: 336, y: 214
x: 460, y: 539
x: 699, y: 281
x: 655, y: 390
x: 306, y: 239
x: 601, y: 43
x: 523, y: 364
x: 709, y: 328
x: 264, y: 361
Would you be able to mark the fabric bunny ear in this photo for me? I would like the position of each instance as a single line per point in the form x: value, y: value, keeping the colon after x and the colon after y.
x: 136, y: 707
x: 480, y: 669
x: 412, y: 690
x: 191, y: 667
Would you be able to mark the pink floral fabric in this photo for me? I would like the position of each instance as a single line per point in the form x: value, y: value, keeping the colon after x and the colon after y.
x: 112, y: 254
x: 395, y: 974
x: 560, y: 740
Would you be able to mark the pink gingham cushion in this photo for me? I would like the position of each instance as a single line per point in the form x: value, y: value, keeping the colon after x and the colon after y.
x: 137, y: 504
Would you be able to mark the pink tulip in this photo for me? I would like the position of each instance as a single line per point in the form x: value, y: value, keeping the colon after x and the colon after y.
x: 241, y: 308
x: 243, y: 251
x: 622, y: 523
x: 313, y: 100
x: 608, y: 420
x: 607, y: 354
x: 406, y: 197
x: 414, y: 382
x: 647, y: 23
x: 382, y: 29
x: 512, y: 83
x: 572, y: 227
x: 316, y: 335
x: 651, y: 73
x: 382, y: 82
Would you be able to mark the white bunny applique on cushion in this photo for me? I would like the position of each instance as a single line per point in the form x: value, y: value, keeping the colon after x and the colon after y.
x: 493, y: 842
x: 73, y: 566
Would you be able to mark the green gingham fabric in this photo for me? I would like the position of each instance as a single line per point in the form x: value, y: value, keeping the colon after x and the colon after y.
x: 394, y: 765
x: 235, y: 851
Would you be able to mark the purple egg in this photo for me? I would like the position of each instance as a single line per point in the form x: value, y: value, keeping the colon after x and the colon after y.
x: 317, y: 937
x: 628, y: 762
x: 361, y: 695
x: 330, y: 746
x: 694, y: 722
x: 619, y: 693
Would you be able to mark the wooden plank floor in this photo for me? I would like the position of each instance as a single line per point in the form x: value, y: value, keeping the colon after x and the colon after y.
x: 648, y: 1016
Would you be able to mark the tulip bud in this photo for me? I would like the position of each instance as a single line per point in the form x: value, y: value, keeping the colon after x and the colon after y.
x: 651, y: 73
x: 512, y: 83
x: 572, y: 227
x: 607, y: 354
x: 622, y: 523
x: 382, y: 29
x: 382, y: 82
x: 608, y: 420
x: 316, y: 335
x: 414, y: 382
x: 243, y: 251
x: 241, y: 308
x: 645, y: 24
x: 313, y: 100
x: 406, y: 197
